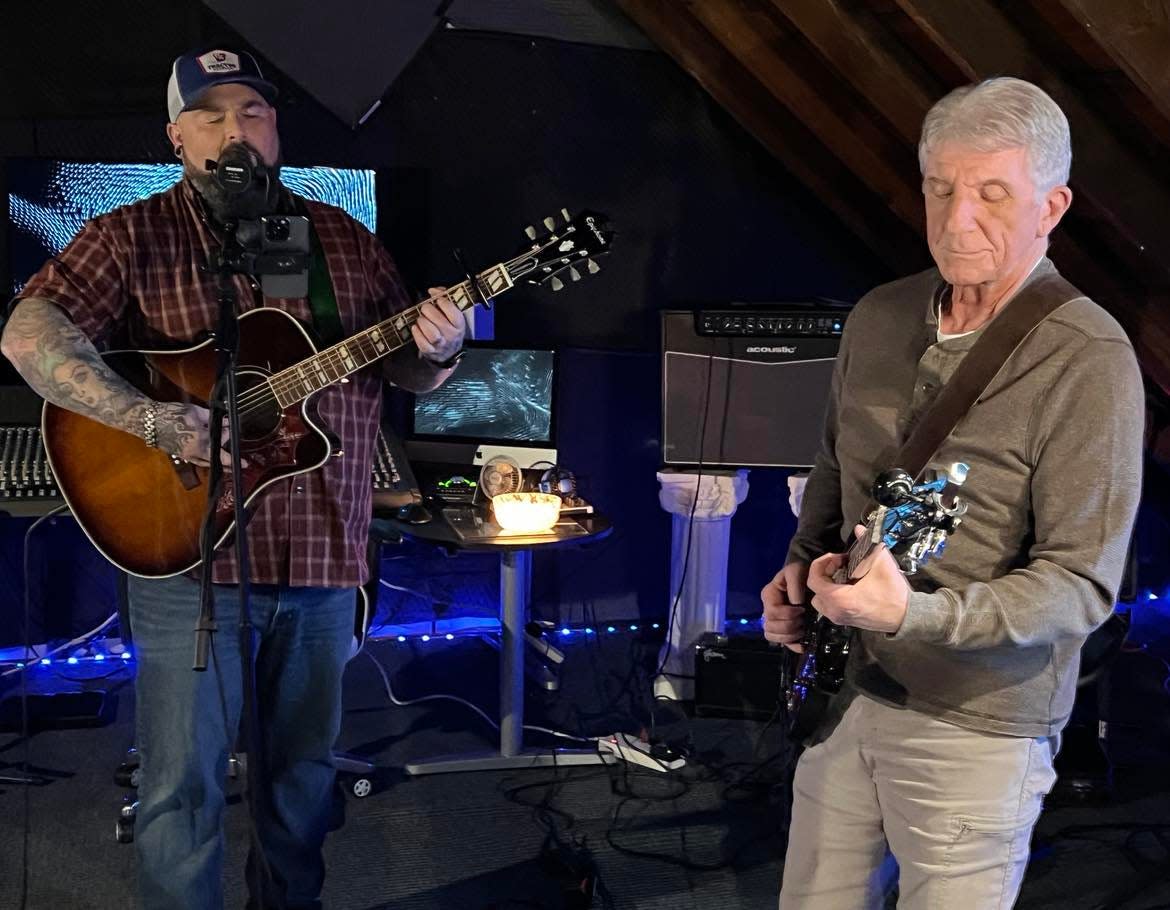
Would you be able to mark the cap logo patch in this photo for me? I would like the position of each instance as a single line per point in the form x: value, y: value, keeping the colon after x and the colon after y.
x: 215, y: 62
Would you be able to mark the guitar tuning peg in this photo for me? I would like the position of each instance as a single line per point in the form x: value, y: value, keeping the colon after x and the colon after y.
x: 565, y: 214
x: 574, y: 274
x: 556, y: 284
x: 593, y: 267
x: 531, y: 232
x: 550, y: 223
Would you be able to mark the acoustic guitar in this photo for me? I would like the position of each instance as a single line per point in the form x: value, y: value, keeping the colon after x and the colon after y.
x: 144, y: 512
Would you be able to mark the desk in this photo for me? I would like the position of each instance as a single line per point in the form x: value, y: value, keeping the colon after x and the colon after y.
x: 515, y: 583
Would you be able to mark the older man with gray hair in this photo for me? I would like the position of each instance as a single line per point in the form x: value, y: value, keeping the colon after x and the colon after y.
x: 939, y: 747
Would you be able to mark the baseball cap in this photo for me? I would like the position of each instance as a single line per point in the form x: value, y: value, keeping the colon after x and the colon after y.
x: 194, y: 73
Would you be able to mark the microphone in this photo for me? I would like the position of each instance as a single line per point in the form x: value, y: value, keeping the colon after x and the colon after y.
x: 237, y: 169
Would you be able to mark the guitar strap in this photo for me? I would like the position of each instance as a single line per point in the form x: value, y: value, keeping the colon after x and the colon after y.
x: 1006, y: 332
x: 322, y: 299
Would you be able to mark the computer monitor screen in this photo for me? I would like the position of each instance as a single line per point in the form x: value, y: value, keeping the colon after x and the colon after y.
x: 502, y: 395
x: 49, y: 200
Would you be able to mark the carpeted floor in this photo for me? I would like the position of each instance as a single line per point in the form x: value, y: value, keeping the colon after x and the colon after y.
x: 709, y: 836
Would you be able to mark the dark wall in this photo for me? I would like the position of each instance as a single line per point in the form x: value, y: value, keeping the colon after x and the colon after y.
x: 484, y: 134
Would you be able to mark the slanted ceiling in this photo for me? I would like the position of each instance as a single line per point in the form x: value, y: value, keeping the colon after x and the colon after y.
x: 837, y: 89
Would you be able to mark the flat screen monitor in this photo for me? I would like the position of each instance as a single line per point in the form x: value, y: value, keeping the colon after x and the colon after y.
x: 49, y: 200
x: 496, y: 395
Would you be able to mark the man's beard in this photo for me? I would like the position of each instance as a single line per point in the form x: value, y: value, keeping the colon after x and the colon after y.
x: 260, y: 198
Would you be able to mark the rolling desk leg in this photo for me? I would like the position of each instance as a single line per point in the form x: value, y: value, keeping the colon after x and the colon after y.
x: 515, y: 581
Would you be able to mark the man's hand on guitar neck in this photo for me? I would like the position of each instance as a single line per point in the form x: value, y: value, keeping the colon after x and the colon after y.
x: 783, y: 598
x: 875, y: 602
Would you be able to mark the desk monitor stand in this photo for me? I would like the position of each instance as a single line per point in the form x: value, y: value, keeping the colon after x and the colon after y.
x: 526, y: 456
x: 515, y: 579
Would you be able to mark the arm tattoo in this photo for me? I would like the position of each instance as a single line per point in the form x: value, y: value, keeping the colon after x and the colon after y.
x: 62, y: 366
x: 173, y: 429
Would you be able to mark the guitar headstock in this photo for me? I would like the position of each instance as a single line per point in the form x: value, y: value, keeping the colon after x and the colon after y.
x: 914, y: 520
x: 567, y: 249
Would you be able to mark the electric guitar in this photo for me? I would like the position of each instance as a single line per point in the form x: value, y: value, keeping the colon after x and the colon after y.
x: 913, y: 522
x: 144, y: 512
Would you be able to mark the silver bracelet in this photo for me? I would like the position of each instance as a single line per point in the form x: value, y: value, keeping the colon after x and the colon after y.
x: 149, y: 429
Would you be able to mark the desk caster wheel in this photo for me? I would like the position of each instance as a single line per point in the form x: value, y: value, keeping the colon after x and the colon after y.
x: 124, y: 828
x: 129, y: 772
x: 361, y: 787
x: 124, y: 831
x: 128, y: 775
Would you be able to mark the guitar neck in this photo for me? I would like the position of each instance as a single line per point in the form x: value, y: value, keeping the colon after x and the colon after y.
x: 333, y: 364
x: 860, y: 549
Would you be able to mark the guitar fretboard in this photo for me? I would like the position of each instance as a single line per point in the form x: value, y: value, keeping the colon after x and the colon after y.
x: 859, y: 549
x: 335, y: 363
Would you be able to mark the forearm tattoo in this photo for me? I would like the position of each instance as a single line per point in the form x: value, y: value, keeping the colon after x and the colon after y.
x: 61, y: 365
x: 173, y: 431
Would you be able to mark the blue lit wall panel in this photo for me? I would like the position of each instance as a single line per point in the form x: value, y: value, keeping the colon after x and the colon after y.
x: 49, y: 201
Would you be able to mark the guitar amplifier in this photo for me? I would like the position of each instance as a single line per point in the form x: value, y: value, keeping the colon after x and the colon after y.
x: 747, y: 388
x: 737, y: 676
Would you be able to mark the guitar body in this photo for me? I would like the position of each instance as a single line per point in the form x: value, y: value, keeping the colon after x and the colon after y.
x: 143, y: 512
x: 820, y: 672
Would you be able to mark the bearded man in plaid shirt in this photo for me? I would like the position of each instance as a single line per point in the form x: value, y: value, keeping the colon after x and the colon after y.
x: 144, y: 272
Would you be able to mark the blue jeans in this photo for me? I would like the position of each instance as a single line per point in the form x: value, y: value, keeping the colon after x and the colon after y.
x: 186, y: 725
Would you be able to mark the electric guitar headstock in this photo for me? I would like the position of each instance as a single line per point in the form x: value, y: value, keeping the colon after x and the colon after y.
x: 912, y: 520
x: 566, y: 250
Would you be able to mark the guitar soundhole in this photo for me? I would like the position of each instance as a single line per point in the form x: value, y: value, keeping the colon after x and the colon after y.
x: 260, y: 413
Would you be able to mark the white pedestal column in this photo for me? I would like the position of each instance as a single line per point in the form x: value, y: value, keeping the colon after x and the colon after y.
x: 702, y: 595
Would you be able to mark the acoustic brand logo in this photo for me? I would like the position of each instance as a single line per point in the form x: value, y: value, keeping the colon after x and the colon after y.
x: 781, y: 349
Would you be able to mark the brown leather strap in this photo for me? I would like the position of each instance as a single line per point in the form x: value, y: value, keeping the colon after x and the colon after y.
x: 983, y: 362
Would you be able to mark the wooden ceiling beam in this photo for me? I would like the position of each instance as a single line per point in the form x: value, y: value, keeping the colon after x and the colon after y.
x: 1136, y: 36
x: 1138, y: 119
x: 737, y: 89
x: 863, y: 57
x: 748, y: 30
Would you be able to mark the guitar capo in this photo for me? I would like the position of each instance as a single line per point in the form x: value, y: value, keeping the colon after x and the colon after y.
x: 476, y: 287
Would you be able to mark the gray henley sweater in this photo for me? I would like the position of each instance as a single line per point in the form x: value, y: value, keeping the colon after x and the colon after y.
x: 993, y: 630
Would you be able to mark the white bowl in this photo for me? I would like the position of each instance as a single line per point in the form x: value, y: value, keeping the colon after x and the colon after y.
x: 530, y: 512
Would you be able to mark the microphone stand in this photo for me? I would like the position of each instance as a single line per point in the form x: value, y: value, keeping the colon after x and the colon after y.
x: 224, y: 404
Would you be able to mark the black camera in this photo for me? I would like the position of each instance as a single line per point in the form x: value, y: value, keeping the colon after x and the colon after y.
x: 277, y: 231
x: 275, y: 249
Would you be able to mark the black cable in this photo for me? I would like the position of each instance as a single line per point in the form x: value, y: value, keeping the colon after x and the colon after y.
x: 24, y: 725
x: 672, y: 613
x: 670, y: 859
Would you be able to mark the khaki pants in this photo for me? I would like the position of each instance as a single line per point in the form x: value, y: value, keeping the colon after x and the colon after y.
x: 955, y: 808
